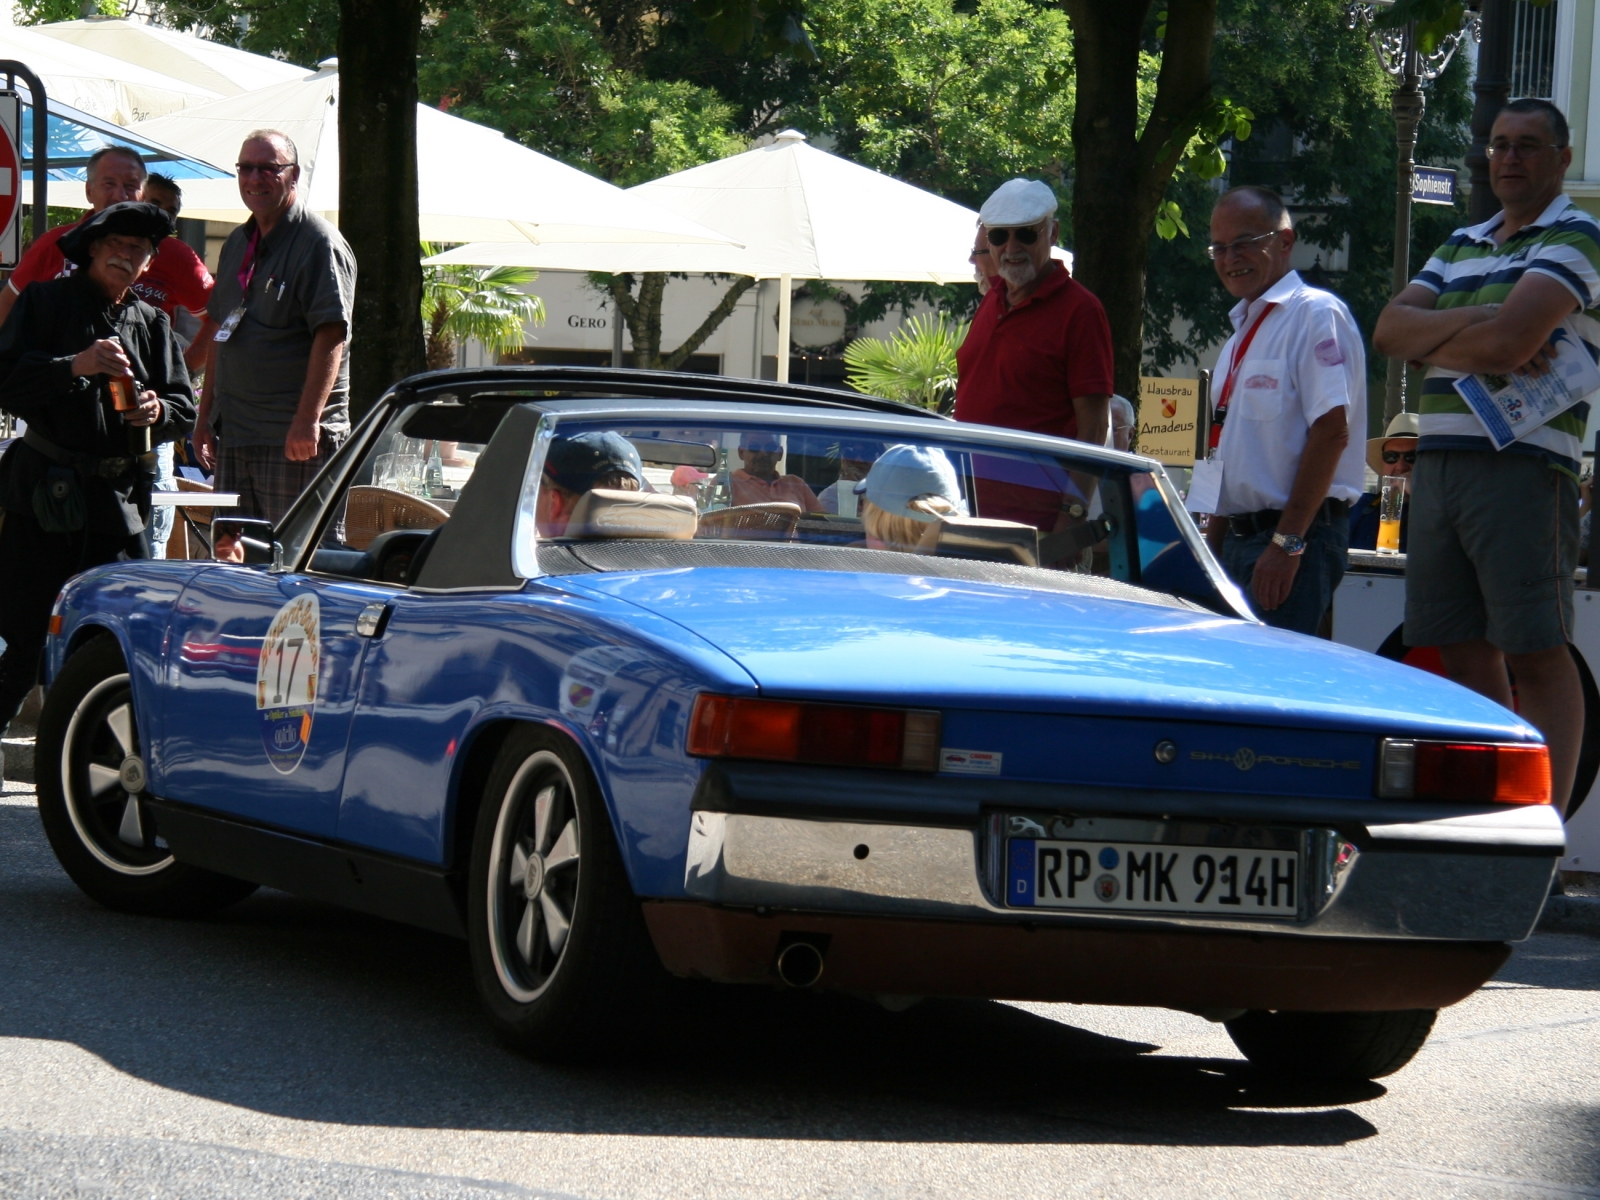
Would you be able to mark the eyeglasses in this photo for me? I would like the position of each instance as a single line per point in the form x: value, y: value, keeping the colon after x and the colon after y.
x: 1525, y: 148
x: 1220, y: 249
x: 999, y: 237
x: 270, y: 170
x: 1393, y: 456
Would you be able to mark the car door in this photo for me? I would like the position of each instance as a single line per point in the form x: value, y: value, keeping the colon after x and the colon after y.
x: 263, y: 670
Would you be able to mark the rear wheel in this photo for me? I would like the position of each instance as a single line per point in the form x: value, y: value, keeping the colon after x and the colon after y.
x: 1363, y: 1045
x: 93, y: 802
x: 560, y: 953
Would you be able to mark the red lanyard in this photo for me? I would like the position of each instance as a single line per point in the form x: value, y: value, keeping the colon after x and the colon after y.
x: 247, y: 269
x: 1221, y: 413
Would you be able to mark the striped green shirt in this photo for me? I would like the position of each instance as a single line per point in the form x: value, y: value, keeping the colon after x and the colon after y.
x: 1564, y: 243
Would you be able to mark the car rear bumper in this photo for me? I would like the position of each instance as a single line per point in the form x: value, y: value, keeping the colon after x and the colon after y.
x: 1213, y: 973
x: 1476, y: 878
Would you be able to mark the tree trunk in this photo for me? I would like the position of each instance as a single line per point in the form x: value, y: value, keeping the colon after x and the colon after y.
x: 1122, y: 174
x: 378, y: 190
x: 643, y: 316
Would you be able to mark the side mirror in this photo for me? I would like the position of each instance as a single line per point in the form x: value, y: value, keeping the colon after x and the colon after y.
x: 243, y: 540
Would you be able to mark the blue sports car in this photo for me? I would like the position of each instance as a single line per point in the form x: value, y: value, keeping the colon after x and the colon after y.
x: 622, y: 675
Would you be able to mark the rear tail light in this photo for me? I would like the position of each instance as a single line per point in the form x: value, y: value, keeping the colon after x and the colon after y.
x: 1467, y: 771
x: 839, y: 735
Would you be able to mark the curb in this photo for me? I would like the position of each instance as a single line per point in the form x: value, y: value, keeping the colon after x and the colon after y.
x: 17, y: 766
x: 1571, y: 914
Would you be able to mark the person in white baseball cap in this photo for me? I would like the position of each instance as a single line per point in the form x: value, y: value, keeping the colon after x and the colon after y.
x: 1038, y: 354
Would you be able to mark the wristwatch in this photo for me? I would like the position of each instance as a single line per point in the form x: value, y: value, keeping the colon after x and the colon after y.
x: 1290, y: 543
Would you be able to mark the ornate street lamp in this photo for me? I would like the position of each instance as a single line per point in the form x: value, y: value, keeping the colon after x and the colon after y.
x: 1401, y: 57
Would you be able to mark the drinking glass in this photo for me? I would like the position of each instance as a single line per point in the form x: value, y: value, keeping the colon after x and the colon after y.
x: 1391, y: 506
x: 383, y: 469
x: 408, y: 473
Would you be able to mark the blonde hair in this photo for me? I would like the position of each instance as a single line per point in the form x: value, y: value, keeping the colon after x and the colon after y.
x: 907, y: 534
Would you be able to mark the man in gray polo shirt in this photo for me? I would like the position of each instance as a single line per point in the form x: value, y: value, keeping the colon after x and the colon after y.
x: 276, y: 399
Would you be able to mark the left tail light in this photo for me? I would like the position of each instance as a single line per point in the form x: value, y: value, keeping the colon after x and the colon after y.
x: 1498, y: 772
x: 835, y: 735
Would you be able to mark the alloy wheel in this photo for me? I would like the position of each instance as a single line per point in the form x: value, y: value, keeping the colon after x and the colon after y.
x: 103, y: 779
x: 533, y: 876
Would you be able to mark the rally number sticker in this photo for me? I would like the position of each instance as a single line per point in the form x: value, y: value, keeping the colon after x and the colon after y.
x: 286, y: 681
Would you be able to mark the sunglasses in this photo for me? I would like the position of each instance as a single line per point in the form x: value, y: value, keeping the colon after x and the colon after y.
x: 1393, y: 456
x: 763, y: 448
x: 999, y: 237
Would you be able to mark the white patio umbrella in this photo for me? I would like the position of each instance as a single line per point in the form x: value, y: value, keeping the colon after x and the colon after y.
x: 474, y: 184
x: 801, y: 213
x: 219, y: 69
x: 102, y: 86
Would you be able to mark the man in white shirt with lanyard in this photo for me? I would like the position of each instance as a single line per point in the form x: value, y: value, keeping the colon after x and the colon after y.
x: 1289, y: 387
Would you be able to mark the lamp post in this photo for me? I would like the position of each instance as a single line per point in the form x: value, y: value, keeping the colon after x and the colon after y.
x: 1400, y: 56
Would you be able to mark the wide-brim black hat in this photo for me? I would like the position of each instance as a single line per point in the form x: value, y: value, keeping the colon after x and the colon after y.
x: 131, y: 218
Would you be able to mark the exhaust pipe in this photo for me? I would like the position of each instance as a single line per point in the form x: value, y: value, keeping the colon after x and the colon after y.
x: 800, y: 964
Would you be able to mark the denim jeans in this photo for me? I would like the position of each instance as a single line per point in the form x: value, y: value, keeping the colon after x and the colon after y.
x: 1321, y: 567
x: 162, y: 516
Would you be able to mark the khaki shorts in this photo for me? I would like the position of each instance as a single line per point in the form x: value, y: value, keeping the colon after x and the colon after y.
x: 1491, y: 549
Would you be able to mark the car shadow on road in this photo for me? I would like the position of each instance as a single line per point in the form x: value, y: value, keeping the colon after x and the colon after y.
x: 300, y: 1010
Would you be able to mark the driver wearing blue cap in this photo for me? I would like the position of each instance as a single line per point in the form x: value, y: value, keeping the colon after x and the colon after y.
x: 575, y: 466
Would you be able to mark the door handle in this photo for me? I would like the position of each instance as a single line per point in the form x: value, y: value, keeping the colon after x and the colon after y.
x: 372, y: 620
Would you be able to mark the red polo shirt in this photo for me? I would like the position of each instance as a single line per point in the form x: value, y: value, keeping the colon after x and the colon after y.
x: 176, y: 276
x: 1021, y: 367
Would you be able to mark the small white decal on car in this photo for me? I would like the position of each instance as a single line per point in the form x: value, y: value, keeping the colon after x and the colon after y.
x: 969, y: 762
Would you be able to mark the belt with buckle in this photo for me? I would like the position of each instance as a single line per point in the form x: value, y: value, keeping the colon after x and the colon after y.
x: 1266, y: 519
x: 89, y: 464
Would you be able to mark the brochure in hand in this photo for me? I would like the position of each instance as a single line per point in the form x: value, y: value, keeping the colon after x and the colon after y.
x: 1510, y: 407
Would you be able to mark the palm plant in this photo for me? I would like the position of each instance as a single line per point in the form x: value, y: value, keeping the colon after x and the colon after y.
x: 917, y: 364
x: 483, y: 303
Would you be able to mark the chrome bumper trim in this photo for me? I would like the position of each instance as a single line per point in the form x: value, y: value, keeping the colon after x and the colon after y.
x: 914, y: 870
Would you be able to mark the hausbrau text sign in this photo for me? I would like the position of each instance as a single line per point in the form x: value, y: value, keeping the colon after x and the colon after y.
x: 1169, y: 420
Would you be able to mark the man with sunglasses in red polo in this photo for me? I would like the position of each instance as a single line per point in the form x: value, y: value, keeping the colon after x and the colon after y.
x: 1038, y: 355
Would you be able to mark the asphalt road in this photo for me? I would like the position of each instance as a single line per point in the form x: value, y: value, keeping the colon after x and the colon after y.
x: 285, y: 1050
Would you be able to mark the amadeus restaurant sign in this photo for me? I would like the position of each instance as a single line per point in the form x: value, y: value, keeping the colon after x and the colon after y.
x: 1169, y: 420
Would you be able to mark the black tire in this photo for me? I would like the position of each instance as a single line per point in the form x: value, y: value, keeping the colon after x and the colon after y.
x: 1361, y: 1045
x: 560, y: 953
x: 103, y: 833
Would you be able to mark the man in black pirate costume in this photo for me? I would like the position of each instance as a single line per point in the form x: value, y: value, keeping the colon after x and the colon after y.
x: 75, y: 488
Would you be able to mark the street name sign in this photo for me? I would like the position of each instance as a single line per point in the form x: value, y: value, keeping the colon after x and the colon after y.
x: 1433, y: 185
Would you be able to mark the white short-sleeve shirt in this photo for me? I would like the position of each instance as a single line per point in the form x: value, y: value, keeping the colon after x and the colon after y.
x: 1305, y: 360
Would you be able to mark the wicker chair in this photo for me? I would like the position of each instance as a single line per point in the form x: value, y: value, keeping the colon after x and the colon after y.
x: 751, y: 522
x: 370, y: 511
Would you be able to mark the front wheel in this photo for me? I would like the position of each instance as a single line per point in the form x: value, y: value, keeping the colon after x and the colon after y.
x: 92, y: 798
x: 1363, y: 1045
x: 560, y: 953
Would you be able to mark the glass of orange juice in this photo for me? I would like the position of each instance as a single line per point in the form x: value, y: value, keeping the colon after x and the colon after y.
x: 1391, y: 505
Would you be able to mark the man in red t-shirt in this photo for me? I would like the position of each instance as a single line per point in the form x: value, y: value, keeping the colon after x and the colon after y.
x: 175, y: 277
x: 1038, y: 355
x: 178, y: 278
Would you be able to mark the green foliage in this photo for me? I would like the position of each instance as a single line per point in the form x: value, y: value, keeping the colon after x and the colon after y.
x: 482, y: 303
x: 548, y: 74
x: 953, y: 97
x: 297, y: 31
x: 45, y: 12
x: 1435, y: 19
x: 917, y: 364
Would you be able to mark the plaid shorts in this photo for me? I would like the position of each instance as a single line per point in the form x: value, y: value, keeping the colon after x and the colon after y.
x: 267, y: 482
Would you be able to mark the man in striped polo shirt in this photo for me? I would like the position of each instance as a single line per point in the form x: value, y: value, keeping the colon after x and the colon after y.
x: 1494, y: 534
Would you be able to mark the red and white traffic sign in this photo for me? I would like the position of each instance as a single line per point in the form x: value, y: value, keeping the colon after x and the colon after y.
x: 10, y: 178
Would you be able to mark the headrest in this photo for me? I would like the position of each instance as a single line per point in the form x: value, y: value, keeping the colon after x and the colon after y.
x: 613, y: 513
x: 988, y: 540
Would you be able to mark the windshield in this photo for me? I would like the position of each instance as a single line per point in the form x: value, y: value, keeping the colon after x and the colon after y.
x: 930, y: 495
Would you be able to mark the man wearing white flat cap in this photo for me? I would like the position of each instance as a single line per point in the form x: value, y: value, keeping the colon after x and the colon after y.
x: 1038, y: 356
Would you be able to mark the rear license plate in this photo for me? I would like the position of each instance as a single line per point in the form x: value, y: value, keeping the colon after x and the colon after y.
x: 1142, y: 877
